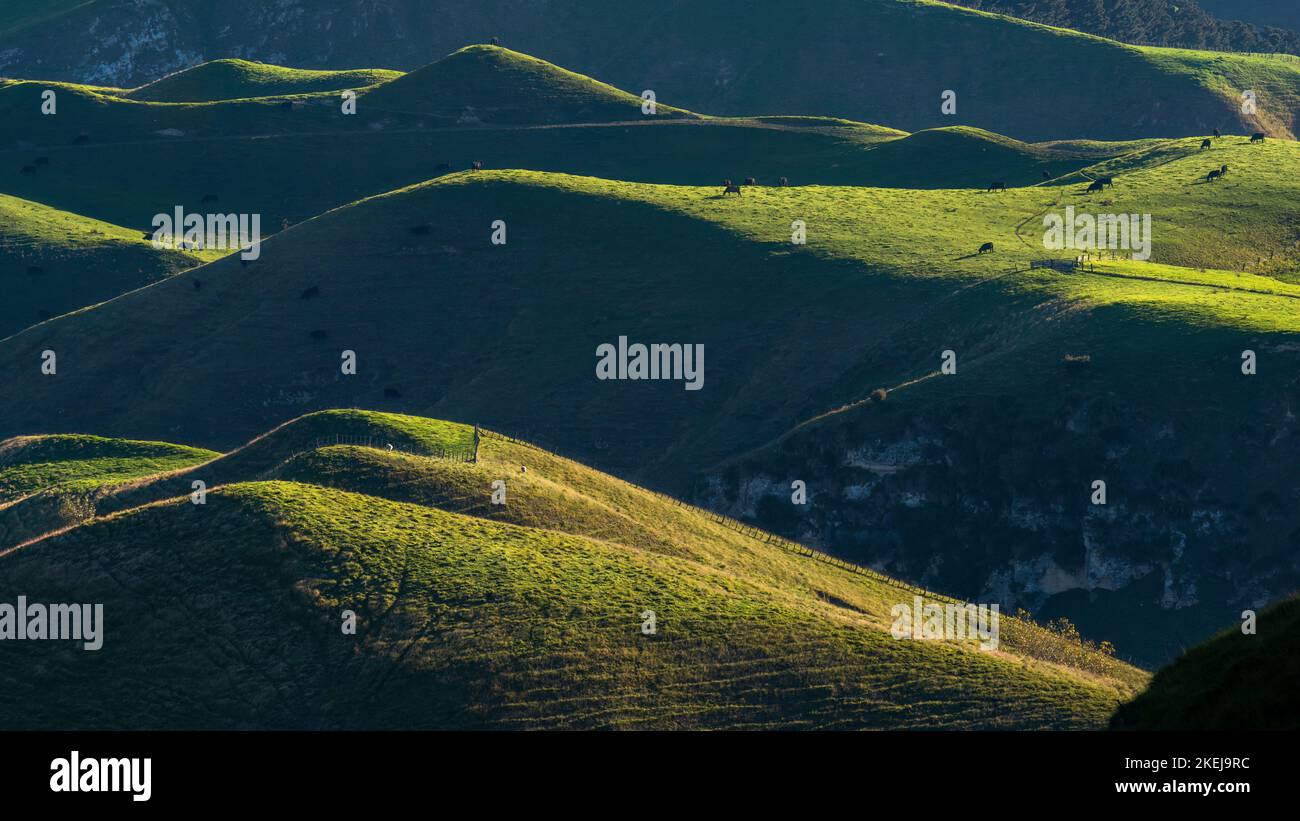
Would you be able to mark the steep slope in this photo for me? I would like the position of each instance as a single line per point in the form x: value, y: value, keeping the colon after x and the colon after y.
x: 124, y: 161
x: 1156, y: 22
x: 890, y: 59
x: 445, y: 323
x: 53, y: 262
x: 489, y: 84
x: 1235, y: 681
x: 467, y: 622
x: 50, y: 482
x: 230, y: 79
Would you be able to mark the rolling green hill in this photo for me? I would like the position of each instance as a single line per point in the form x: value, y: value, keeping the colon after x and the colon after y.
x: 237, y: 79
x: 889, y: 278
x: 124, y: 160
x: 1233, y: 682
x: 884, y: 61
x: 53, y: 262
x: 525, y: 615
x: 489, y: 84
x: 51, y: 482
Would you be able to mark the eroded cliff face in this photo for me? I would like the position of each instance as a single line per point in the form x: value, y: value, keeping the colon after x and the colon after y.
x: 999, y: 505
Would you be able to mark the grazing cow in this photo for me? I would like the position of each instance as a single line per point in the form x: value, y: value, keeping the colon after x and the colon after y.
x: 1258, y: 137
x: 476, y: 166
x: 1217, y: 134
x: 1097, y: 185
x: 27, y: 169
x: 750, y: 181
x: 1213, y: 175
x: 731, y: 189
x: 783, y: 182
x: 310, y: 292
x: 1223, y: 172
x: 986, y: 247
x: 1206, y: 144
x: 42, y: 160
x: 147, y: 236
x: 209, y: 198
x: 997, y: 186
x: 1110, y: 181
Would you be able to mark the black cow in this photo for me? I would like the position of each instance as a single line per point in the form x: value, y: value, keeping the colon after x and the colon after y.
x: 783, y: 182
x: 1213, y: 175
x: 1223, y: 172
x: 476, y: 166
x: 1110, y: 181
x: 1258, y: 137
x: 750, y: 181
x: 986, y: 247
x: 1097, y: 185
x: 1206, y: 144
x: 997, y: 186
x: 1217, y: 134
x: 731, y: 189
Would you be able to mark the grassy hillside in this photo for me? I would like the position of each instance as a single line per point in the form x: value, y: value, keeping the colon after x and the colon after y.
x: 53, y: 262
x: 124, y: 160
x: 890, y: 59
x: 523, y: 616
x: 489, y: 84
x: 237, y: 79
x: 881, y: 288
x: 51, y: 482
x: 1232, y: 682
x: 869, y: 253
